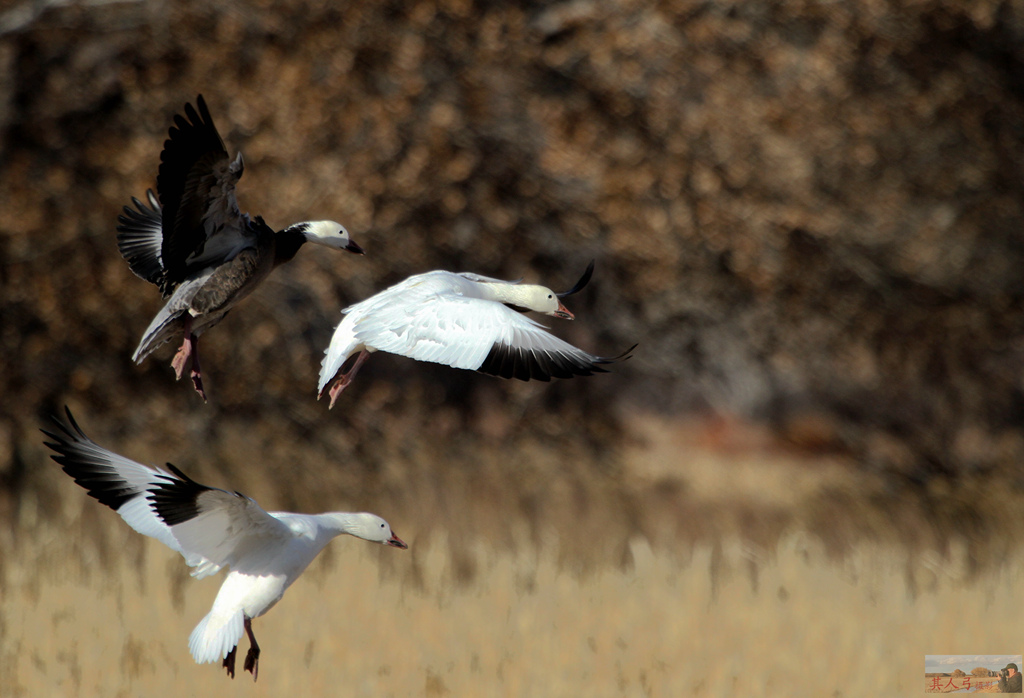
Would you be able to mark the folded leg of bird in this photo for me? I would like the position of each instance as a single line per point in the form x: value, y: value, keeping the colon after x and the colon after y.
x: 195, y: 375
x: 229, y: 661
x: 252, y: 659
x: 189, y: 349
x: 185, y: 350
x: 347, y: 377
x: 182, y: 357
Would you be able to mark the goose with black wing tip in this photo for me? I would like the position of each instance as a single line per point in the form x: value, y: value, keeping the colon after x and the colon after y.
x: 213, y: 529
x: 465, y: 321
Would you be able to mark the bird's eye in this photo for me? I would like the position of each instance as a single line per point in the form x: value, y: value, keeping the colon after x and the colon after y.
x: 549, y: 295
x: 382, y: 525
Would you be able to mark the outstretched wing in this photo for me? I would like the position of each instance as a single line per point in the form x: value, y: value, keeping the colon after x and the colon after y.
x: 211, y: 528
x: 140, y: 239
x: 120, y: 483
x: 196, y: 182
x: 226, y: 528
x: 471, y: 333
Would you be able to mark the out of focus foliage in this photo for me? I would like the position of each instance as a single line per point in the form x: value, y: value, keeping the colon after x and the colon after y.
x: 808, y: 215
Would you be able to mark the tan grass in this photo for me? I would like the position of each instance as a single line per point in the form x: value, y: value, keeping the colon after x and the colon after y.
x: 687, y: 571
x: 355, y: 625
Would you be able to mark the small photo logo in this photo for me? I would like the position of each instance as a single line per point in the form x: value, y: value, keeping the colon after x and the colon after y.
x: 972, y: 673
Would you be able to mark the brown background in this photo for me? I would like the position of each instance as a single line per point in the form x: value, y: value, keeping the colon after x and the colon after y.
x: 808, y: 215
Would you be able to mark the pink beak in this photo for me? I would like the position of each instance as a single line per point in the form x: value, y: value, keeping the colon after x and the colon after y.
x: 562, y: 312
x: 396, y: 542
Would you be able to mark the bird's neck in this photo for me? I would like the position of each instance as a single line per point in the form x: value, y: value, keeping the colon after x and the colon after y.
x: 288, y: 242
x: 503, y: 293
x: 338, y: 523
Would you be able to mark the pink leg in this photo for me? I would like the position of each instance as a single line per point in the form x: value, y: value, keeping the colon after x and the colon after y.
x: 347, y: 377
x: 189, y: 350
x: 185, y: 351
x: 252, y: 659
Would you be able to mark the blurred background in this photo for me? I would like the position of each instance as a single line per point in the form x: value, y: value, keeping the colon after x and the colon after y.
x: 807, y: 214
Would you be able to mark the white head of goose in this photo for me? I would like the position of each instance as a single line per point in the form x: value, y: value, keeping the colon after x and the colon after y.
x: 464, y: 321
x: 193, y: 243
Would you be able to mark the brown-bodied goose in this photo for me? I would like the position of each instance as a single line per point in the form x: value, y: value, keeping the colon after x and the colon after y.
x: 193, y: 242
x: 465, y: 321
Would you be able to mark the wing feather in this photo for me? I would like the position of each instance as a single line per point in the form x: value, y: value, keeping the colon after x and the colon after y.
x: 116, y: 481
x: 232, y: 530
x: 436, y: 317
x: 452, y: 330
x: 211, y: 528
x: 140, y: 239
x: 196, y: 182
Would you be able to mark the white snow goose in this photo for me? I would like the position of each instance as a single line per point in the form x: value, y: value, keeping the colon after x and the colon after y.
x: 465, y: 321
x: 196, y: 246
x: 212, y: 529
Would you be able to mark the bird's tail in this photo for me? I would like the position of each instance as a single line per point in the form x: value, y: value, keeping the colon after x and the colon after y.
x: 215, y: 636
x: 342, y: 346
x: 162, y: 329
x: 167, y: 323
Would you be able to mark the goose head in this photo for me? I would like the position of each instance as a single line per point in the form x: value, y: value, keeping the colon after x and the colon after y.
x: 373, y: 528
x: 541, y: 299
x: 327, y: 233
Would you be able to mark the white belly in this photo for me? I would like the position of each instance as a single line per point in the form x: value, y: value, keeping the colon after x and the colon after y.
x: 253, y: 595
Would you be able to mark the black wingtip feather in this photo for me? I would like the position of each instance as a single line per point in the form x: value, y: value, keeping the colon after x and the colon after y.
x: 628, y: 354
x: 203, y: 111
x: 73, y: 448
x: 177, y: 500
x: 192, y: 150
x: 513, y: 362
x: 584, y: 280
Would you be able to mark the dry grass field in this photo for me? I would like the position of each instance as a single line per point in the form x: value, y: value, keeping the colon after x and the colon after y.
x: 711, y: 591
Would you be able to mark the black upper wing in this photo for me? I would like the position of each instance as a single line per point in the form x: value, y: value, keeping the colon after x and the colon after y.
x: 140, y: 239
x: 194, y: 171
x: 91, y: 466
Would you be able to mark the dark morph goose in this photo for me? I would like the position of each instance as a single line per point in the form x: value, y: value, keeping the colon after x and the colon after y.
x: 465, y: 321
x: 212, y: 529
x: 193, y: 242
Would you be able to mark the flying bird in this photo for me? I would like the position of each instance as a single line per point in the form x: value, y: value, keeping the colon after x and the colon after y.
x: 192, y: 241
x: 212, y: 529
x: 461, y: 320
